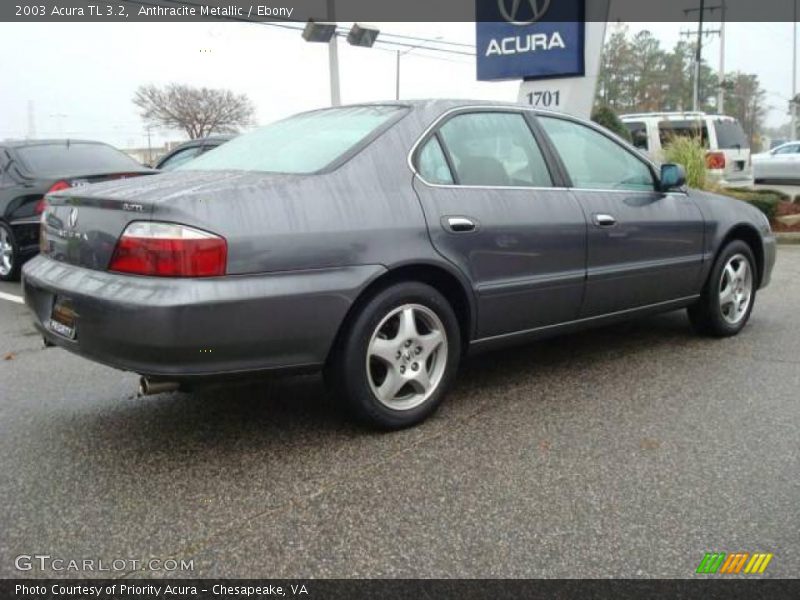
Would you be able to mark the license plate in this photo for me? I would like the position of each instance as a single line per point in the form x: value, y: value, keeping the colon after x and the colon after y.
x: 63, y: 317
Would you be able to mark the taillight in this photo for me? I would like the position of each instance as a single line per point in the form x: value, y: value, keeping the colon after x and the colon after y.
x: 56, y: 187
x: 715, y: 160
x: 169, y: 250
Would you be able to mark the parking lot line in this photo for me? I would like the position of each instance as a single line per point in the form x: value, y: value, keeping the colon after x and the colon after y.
x: 11, y: 298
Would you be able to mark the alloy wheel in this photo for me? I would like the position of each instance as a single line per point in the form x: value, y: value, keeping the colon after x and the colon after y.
x: 6, y: 253
x: 407, y: 357
x: 735, y: 289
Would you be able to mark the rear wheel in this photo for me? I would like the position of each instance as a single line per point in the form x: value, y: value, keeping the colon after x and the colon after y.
x: 398, y: 356
x: 9, y: 254
x: 728, y: 298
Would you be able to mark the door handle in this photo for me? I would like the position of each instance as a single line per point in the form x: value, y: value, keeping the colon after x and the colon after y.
x: 603, y: 220
x: 460, y: 224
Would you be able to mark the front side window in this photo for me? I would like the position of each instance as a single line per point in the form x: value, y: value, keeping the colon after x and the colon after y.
x: 180, y: 158
x: 494, y: 149
x: 790, y: 149
x: 302, y: 144
x: 594, y: 161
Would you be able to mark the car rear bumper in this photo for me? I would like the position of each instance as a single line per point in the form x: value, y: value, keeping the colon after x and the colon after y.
x: 188, y: 328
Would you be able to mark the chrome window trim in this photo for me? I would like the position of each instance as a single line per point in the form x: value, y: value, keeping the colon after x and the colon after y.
x: 521, y: 109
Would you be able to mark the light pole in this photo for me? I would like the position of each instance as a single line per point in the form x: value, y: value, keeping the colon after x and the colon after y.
x: 794, y: 74
x: 397, y: 68
x: 333, y: 60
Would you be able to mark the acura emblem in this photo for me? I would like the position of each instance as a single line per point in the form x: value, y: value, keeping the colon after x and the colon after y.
x: 512, y: 13
x: 73, y: 218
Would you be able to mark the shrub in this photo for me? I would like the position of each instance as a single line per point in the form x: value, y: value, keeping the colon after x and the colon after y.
x: 764, y: 200
x: 768, y: 206
x: 691, y: 154
x: 605, y: 116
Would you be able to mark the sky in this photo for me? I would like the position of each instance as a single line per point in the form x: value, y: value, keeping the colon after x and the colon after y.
x: 78, y: 79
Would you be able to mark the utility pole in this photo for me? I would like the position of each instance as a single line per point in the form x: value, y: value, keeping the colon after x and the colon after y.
x: 793, y: 105
x: 721, y: 92
x: 333, y: 60
x: 698, y: 56
x: 404, y: 52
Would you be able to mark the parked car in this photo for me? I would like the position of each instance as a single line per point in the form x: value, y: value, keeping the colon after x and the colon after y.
x: 781, y: 163
x: 29, y: 170
x: 189, y: 151
x: 728, y: 160
x: 380, y: 242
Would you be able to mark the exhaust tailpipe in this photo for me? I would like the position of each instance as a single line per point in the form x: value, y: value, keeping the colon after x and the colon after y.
x: 148, y: 387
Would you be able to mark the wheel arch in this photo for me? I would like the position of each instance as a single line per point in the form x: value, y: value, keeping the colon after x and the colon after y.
x: 750, y: 236
x: 451, y: 285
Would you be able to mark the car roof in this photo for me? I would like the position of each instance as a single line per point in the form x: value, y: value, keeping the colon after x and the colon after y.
x: 49, y: 142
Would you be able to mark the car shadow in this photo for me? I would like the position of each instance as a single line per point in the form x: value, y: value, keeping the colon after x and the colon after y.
x: 299, y: 410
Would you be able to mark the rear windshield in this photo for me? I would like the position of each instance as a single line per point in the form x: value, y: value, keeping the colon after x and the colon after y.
x: 75, y: 158
x: 668, y: 130
x: 730, y: 135
x: 304, y: 143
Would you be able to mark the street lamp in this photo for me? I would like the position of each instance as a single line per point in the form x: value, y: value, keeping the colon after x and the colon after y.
x: 403, y: 53
x: 325, y: 32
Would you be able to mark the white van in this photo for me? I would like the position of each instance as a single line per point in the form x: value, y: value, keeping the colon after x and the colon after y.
x: 728, y: 158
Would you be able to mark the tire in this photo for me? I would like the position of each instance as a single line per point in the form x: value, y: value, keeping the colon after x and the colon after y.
x: 380, y: 367
x: 723, y: 311
x: 9, y: 254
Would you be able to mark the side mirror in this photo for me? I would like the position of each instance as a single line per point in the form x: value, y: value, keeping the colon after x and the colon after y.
x: 672, y: 177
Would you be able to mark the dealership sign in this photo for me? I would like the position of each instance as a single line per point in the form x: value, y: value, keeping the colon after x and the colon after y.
x: 529, y: 39
x: 553, y: 46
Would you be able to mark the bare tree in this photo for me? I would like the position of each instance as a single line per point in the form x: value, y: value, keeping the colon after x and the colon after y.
x: 198, y: 111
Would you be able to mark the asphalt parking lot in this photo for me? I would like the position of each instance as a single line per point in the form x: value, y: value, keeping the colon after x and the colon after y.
x: 627, y: 451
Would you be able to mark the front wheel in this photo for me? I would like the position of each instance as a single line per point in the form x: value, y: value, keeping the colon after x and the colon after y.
x: 398, y: 356
x: 727, y: 300
x: 9, y: 254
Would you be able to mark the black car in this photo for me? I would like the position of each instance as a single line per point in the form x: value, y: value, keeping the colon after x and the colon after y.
x: 29, y: 170
x: 190, y: 150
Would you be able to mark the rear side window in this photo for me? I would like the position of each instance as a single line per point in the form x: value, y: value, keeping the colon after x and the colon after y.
x: 667, y: 130
x: 75, y: 158
x: 638, y: 131
x: 180, y: 158
x: 594, y: 161
x: 433, y: 165
x: 494, y: 149
x: 730, y: 135
x: 304, y: 143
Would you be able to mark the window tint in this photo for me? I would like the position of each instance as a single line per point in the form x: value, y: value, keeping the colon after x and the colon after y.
x: 667, y: 130
x: 304, y: 143
x: 180, y: 158
x: 730, y: 135
x: 638, y: 133
x: 593, y: 161
x: 75, y: 158
x: 433, y: 165
x: 496, y: 149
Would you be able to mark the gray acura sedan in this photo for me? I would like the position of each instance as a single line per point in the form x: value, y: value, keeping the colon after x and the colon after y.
x: 381, y: 242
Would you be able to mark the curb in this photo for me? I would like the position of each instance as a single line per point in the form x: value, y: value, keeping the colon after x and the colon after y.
x: 787, y: 237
